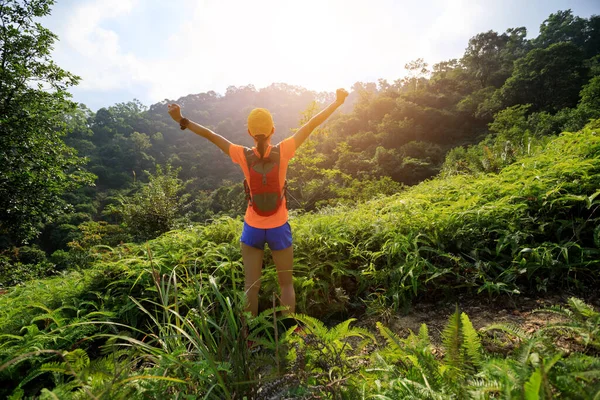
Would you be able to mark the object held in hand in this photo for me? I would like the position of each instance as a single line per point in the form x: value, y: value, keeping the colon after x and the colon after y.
x: 183, y: 123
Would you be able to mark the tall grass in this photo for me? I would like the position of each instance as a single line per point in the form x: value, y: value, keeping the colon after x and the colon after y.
x: 189, y: 337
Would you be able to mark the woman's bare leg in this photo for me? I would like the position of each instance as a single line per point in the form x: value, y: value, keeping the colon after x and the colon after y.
x: 284, y: 263
x: 253, y: 259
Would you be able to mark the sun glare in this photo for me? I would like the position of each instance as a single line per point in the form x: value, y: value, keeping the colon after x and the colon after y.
x: 315, y: 44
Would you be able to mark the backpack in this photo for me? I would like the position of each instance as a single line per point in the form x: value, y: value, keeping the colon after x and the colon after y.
x: 263, y: 192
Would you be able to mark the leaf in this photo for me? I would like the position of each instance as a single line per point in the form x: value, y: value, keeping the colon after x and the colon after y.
x: 452, y: 340
x: 590, y: 199
x: 533, y: 385
x: 471, y: 344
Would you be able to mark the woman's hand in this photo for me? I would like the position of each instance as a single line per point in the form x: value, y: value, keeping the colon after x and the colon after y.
x: 175, y: 112
x: 340, y: 96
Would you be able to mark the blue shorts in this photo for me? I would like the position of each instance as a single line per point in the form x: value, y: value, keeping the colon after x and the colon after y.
x: 279, y: 238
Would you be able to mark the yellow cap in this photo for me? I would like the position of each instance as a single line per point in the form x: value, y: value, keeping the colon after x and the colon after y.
x: 260, y: 122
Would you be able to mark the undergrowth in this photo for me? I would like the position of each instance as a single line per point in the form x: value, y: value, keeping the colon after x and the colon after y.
x: 164, y: 319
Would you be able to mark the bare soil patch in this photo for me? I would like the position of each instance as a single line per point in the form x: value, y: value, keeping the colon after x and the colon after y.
x: 518, y: 311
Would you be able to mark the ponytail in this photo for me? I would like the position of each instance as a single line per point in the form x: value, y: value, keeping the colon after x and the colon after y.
x: 261, y: 144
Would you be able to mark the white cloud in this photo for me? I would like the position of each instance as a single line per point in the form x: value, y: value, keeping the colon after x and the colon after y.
x: 321, y: 45
x: 92, y: 51
x: 318, y: 44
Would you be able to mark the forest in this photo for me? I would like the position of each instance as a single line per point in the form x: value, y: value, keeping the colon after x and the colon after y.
x: 470, y: 183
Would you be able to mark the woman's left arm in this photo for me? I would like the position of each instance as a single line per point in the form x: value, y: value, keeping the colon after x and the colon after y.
x: 305, y: 131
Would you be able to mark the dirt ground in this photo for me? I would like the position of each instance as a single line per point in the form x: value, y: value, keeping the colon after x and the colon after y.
x: 482, y: 312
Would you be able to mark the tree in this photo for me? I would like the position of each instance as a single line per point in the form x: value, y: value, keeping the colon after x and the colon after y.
x: 562, y: 26
x: 590, y: 94
x: 589, y: 104
x: 36, y: 166
x: 141, y: 143
x: 441, y: 69
x: 511, y: 123
x: 157, y: 206
x: 482, y: 57
x: 592, y: 44
x: 417, y: 71
x: 489, y: 56
x: 550, y: 79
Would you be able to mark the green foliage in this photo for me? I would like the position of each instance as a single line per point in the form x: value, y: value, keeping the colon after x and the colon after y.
x: 164, y: 320
x: 563, y: 26
x: 227, y: 200
x: 515, y: 133
x: 462, y: 344
x: 549, y: 78
x: 489, y: 55
x: 156, y: 208
x: 311, y: 185
x: 531, y: 226
x: 590, y: 98
x: 418, y: 373
x: 211, y: 334
x: 21, y: 264
x: 37, y: 167
x: 324, y: 358
x: 459, y: 232
x: 407, y: 368
x: 94, y: 235
x: 581, y: 320
x: 176, y: 304
x: 61, y: 259
x: 33, y: 333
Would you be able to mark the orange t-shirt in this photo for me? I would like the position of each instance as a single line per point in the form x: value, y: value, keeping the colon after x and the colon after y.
x: 287, y: 148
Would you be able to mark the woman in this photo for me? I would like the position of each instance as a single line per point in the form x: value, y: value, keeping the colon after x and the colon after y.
x: 266, y: 218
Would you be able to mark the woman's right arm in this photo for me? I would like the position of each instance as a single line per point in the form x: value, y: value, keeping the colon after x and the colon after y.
x: 218, y: 140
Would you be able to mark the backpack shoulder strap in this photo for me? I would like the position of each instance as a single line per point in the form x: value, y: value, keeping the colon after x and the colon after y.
x: 252, y: 154
x: 267, y: 152
x: 274, y: 153
x: 251, y: 157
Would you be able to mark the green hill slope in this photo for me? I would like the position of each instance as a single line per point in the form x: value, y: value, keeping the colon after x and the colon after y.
x: 534, y: 226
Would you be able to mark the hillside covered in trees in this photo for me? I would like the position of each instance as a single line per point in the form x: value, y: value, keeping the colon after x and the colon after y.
x: 120, y: 267
x: 506, y: 89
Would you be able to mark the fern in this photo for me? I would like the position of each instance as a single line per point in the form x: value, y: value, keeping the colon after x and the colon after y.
x: 414, y: 389
x: 393, y: 340
x: 481, y: 388
x: 526, y: 352
x: 582, y: 311
x: 327, y: 353
x: 397, y: 350
x: 312, y: 325
x: 424, y: 334
x: 577, y: 376
x: 471, y: 345
x: 533, y: 385
x: 505, y: 373
x: 510, y: 329
x: 583, y: 321
x: 453, y: 341
x: 342, y: 331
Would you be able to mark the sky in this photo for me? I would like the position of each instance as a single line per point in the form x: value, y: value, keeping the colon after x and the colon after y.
x: 153, y: 50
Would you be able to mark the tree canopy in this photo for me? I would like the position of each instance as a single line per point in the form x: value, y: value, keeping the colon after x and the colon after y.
x: 36, y: 166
